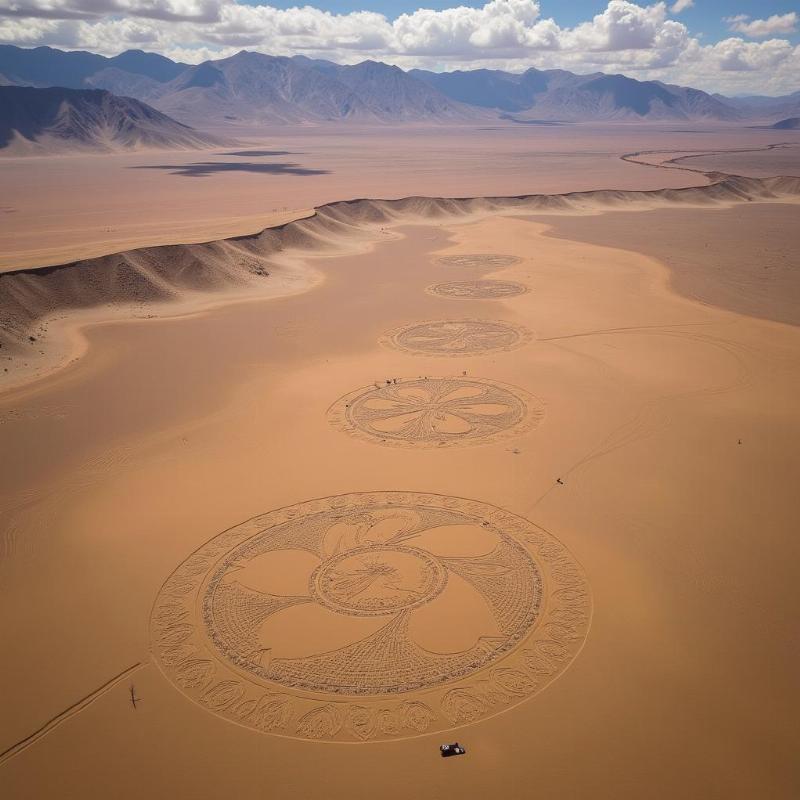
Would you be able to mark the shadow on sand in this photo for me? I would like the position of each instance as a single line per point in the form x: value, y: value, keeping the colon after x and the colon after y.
x: 260, y: 153
x: 202, y: 169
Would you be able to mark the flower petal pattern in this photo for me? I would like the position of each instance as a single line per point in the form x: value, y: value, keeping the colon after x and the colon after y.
x: 438, y: 411
x: 457, y: 337
x: 404, y: 613
x: 378, y: 568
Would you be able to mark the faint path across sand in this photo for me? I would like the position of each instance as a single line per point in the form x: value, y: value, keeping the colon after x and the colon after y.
x: 67, y: 713
x: 655, y: 158
x: 654, y: 415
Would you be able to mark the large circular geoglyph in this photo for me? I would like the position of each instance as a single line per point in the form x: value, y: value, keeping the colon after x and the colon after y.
x: 478, y: 290
x: 482, y: 260
x: 460, y: 337
x: 371, y: 616
x: 436, y: 412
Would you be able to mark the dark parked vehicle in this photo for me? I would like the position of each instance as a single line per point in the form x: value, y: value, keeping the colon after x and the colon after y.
x: 452, y: 750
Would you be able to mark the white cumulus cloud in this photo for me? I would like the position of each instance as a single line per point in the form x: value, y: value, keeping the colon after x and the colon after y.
x: 637, y: 39
x: 777, y: 24
x: 735, y: 55
x: 681, y: 5
x: 197, y: 10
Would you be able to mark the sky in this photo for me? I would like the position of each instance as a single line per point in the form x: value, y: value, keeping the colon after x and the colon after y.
x: 730, y: 46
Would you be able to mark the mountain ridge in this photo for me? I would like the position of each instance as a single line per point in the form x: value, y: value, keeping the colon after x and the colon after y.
x: 251, y: 87
x: 57, y: 119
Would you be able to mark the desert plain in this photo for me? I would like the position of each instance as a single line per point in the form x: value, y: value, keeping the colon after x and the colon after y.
x: 516, y: 473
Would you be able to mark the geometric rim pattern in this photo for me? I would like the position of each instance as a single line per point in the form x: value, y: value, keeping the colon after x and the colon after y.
x: 456, y: 338
x: 385, y: 685
x: 477, y: 289
x: 479, y: 412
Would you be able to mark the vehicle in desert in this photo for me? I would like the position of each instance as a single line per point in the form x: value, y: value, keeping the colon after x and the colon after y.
x: 455, y: 749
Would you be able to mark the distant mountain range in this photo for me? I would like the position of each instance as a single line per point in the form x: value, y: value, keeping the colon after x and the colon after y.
x: 67, y: 120
x: 248, y: 87
x: 256, y: 88
x: 765, y: 108
x: 251, y: 87
x: 557, y: 94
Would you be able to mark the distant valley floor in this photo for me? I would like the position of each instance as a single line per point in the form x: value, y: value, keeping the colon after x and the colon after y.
x: 60, y: 209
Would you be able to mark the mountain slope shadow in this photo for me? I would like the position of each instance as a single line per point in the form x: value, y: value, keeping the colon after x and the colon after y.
x: 202, y: 169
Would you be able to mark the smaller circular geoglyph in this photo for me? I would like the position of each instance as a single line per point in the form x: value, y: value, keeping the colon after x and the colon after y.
x: 436, y: 412
x: 478, y: 290
x: 483, y: 260
x: 459, y: 337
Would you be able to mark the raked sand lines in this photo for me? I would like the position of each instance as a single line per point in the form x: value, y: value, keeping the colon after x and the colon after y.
x: 373, y: 579
x: 436, y: 412
x: 485, y: 261
x: 459, y: 337
x: 478, y: 290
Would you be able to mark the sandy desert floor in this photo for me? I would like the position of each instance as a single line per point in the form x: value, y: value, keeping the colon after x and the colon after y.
x: 527, y: 483
x: 62, y: 208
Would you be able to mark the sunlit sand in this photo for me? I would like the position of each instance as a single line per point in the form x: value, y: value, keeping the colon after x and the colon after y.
x: 515, y: 468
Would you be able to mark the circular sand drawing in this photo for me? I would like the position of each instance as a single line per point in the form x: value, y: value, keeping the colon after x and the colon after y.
x: 460, y: 337
x: 436, y: 412
x: 484, y: 260
x: 478, y: 290
x: 371, y: 616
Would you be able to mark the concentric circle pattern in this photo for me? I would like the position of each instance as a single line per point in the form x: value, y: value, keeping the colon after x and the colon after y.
x: 418, y: 613
x: 478, y: 290
x: 482, y: 260
x: 460, y: 337
x: 436, y: 412
x: 376, y: 581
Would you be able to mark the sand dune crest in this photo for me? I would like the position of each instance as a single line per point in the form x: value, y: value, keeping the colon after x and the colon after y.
x: 157, y: 275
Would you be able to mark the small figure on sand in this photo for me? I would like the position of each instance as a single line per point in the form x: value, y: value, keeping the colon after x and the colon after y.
x: 134, y: 698
x: 558, y: 480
